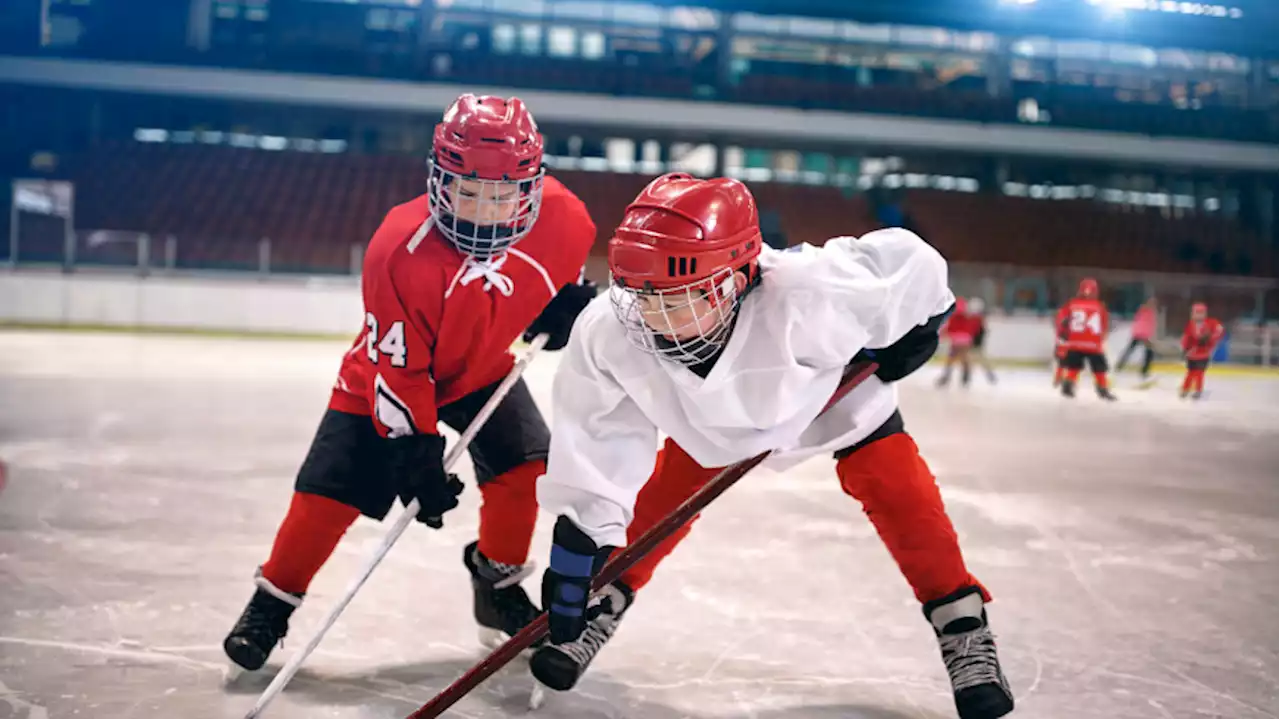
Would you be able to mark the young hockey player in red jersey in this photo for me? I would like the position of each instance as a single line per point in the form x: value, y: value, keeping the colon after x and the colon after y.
x: 731, y: 349
x: 1084, y: 322
x: 450, y: 280
x: 962, y: 330
x: 1199, y: 339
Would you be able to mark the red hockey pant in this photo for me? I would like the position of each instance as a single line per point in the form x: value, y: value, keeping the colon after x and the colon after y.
x: 1193, y: 381
x: 888, y: 476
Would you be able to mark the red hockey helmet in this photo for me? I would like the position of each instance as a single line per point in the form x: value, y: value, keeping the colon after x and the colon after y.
x: 673, y: 262
x: 681, y: 229
x: 1088, y: 287
x: 486, y: 175
x: 1199, y: 311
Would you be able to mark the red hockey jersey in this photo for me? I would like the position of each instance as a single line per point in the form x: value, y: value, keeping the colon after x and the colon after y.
x: 439, y: 324
x: 1200, y: 338
x: 962, y: 328
x: 1083, y: 324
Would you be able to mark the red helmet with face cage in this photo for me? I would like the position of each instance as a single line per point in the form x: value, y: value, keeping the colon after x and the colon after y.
x: 681, y: 229
x: 674, y: 258
x: 486, y: 174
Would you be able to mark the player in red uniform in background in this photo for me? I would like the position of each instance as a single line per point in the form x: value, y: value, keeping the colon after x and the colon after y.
x: 1084, y: 322
x: 961, y: 331
x: 450, y: 280
x: 1199, y: 339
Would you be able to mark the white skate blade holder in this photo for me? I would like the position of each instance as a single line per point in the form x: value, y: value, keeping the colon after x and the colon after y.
x: 538, y: 696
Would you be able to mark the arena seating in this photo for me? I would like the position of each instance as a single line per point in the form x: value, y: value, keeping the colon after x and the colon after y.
x: 219, y: 202
x: 964, y: 99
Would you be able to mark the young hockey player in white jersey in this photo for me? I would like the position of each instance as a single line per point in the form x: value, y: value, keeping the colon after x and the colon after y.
x: 731, y: 349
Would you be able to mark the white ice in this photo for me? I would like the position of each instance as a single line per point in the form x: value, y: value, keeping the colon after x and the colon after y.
x: 1131, y: 548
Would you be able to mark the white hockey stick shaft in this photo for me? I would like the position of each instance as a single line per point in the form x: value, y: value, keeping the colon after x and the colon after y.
x: 401, y: 523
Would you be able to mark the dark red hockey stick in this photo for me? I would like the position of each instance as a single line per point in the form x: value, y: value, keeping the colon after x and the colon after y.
x: 623, y: 560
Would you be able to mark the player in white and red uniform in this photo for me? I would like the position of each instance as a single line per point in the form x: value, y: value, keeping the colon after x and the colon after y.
x: 731, y: 349
x: 1200, y: 337
x: 961, y: 330
x: 450, y: 280
x: 1082, y: 324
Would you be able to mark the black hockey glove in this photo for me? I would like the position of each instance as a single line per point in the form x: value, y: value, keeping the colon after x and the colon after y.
x: 910, y: 352
x: 558, y: 316
x: 566, y: 585
x: 416, y: 463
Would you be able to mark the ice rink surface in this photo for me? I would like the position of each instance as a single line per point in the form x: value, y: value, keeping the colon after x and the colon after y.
x: 1131, y: 548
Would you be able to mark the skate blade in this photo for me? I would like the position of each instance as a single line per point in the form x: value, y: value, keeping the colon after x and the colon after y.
x: 491, y: 638
x: 537, y: 697
x: 232, y: 672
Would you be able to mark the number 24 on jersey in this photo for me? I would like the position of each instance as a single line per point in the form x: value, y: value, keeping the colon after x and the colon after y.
x: 391, y: 344
x: 1082, y: 320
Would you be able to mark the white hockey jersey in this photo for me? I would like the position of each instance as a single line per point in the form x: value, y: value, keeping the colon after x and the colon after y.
x: 814, y: 309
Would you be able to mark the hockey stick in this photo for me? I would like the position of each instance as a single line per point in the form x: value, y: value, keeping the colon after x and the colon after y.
x: 623, y: 560
x: 397, y: 528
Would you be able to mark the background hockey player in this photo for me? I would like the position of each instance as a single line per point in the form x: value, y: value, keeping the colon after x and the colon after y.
x: 1085, y: 322
x: 1144, y: 330
x: 731, y: 350
x: 1200, y: 337
x: 961, y: 328
x: 978, y: 308
x: 446, y: 291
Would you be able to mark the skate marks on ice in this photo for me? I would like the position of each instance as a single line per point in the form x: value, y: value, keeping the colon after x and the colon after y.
x: 392, y: 691
x: 124, y: 684
x: 1151, y: 608
x: 1134, y: 564
x: 12, y: 706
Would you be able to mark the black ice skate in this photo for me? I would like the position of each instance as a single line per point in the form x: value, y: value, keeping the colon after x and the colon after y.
x: 1197, y: 394
x: 1068, y: 388
x: 262, y: 625
x: 1105, y: 393
x: 502, y: 607
x: 560, y: 666
x: 969, y: 651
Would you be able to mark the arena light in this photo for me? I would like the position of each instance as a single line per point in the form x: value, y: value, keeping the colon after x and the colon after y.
x: 1113, y: 9
x: 1120, y: 5
x: 1172, y: 7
